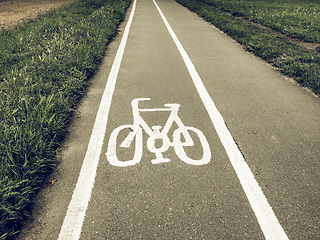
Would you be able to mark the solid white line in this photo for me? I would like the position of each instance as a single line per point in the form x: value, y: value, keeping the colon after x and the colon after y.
x: 263, y: 211
x: 72, y: 224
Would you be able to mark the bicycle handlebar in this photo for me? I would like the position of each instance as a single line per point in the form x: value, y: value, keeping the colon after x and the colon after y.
x: 170, y: 106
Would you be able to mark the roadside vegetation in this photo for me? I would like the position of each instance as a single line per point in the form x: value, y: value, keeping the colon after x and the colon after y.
x: 44, y: 69
x: 299, y: 19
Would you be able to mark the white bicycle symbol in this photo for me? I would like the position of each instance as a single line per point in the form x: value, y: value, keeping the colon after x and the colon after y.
x: 155, y: 134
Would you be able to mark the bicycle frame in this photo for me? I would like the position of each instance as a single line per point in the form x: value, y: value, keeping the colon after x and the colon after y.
x: 154, y: 132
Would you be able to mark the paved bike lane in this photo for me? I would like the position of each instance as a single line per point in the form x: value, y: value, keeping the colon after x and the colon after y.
x: 168, y: 200
x: 152, y: 66
x: 177, y: 200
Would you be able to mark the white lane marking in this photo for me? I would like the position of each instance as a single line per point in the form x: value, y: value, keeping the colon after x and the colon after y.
x: 262, y: 209
x: 155, y: 134
x: 72, y: 224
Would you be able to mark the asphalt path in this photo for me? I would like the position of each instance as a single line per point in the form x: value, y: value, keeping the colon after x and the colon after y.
x: 252, y: 173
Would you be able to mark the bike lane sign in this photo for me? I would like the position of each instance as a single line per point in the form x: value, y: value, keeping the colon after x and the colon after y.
x: 181, y: 138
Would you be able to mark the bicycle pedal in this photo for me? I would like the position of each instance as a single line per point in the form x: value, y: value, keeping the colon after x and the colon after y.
x: 163, y: 160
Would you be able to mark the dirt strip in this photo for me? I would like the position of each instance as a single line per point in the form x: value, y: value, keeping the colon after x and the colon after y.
x: 13, y: 12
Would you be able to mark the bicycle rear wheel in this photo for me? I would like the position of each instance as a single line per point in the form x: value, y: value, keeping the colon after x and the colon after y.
x: 112, y: 148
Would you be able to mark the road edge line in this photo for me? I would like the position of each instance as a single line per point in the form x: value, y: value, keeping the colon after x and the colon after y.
x: 73, y: 221
x: 268, y: 221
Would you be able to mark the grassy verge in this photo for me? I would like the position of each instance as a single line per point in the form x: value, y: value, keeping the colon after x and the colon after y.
x: 44, y: 68
x: 291, y: 60
x: 299, y: 19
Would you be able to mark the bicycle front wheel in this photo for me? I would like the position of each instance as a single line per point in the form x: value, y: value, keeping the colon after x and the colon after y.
x: 180, y: 151
x: 112, y: 147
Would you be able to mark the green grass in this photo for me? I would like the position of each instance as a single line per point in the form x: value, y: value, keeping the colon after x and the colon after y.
x: 44, y: 69
x: 298, y: 19
x: 290, y: 59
